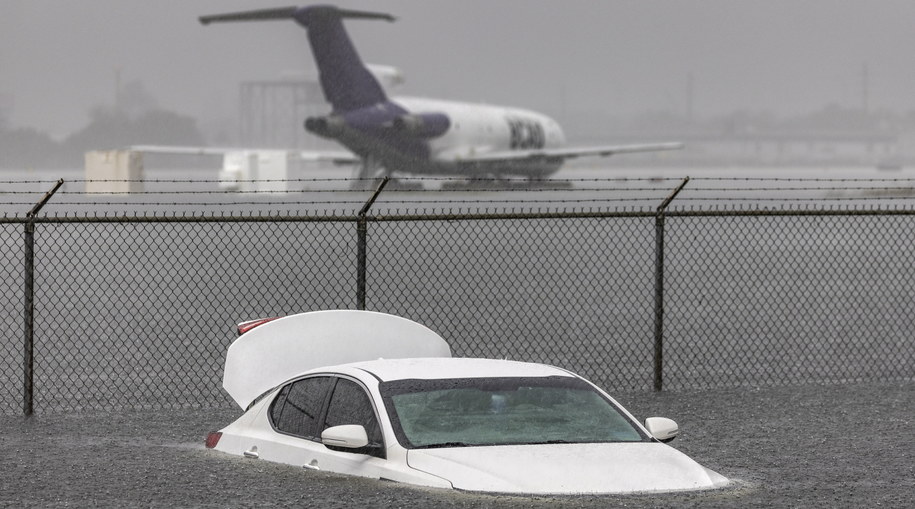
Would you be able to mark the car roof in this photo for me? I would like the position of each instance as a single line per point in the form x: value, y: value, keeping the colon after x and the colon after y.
x: 448, y: 367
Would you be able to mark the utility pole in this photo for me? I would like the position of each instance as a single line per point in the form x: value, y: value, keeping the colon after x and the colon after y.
x: 117, y: 88
x: 690, y: 93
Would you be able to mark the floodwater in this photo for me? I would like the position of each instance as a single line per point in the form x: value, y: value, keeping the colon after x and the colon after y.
x: 810, y: 446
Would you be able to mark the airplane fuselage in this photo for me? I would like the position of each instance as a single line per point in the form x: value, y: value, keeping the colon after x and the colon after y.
x: 479, y: 129
x: 431, y: 136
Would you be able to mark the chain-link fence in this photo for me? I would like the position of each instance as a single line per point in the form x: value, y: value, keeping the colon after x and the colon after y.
x: 11, y: 346
x: 571, y: 291
x: 139, y: 311
x: 762, y: 298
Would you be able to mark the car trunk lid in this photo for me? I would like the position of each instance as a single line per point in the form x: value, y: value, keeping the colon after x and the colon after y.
x: 281, y: 349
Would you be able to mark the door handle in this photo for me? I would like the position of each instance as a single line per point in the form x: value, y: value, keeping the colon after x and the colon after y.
x: 252, y: 453
x: 312, y: 466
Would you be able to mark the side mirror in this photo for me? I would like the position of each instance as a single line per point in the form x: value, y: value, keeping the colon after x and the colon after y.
x: 662, y: 428
x: 349, y: 436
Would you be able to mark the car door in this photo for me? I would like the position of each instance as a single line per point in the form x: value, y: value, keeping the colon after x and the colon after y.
x: 350, y: 403
x: 303, y: 409
x: 295, y: 415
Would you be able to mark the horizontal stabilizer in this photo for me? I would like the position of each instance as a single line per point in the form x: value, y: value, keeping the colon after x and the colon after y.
x: 353, y: 14
x: 301, y: 13
x: 256, y: 15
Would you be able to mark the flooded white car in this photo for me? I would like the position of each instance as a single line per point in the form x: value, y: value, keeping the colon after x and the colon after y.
x: 380, y: 396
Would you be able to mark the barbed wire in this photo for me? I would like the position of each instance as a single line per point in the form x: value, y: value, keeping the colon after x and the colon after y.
x: 457, y: 213
x: 461, y: 180
x: 524, y: 192
x: 470, y: 182
x: 503, y: 189
x: 490, y: 190
x: 343, y: 179
x: 355, y: 203
x: 333, y: 202
x: 325, y: 191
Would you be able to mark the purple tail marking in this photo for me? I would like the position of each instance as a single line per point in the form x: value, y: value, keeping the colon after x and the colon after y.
x: 346, y: 82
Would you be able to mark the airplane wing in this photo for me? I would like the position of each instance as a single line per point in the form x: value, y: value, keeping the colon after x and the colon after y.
x: 174, y: 150
x: 336, y: 157
x: 567, y: 153
x: 315, y: 156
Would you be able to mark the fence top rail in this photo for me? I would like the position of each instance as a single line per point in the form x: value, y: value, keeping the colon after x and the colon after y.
x: 381, y: 217
x: 179, y: 218
x: 397, y: 216
x: 788, y: 212
x: 503, y: 215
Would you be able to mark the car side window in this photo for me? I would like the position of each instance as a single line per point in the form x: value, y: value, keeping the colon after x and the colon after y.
x: 276, y: 408
x: 298, y: 405
x: 350, y: 404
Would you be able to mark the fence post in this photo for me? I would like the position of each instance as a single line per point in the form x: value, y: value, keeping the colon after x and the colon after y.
x: 659, y: 287
x: 361, y: 240
x: 28, y: 281
x: 28, y: 371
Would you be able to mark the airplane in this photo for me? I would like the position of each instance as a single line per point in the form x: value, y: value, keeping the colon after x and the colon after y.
x: 419, y: 136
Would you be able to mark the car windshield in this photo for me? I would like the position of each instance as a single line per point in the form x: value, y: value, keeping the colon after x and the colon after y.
x: 503, y: 411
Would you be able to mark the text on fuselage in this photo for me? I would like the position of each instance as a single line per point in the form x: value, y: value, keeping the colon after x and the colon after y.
x: 525, y: 133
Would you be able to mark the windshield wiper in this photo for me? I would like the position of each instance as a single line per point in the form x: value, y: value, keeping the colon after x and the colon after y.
x: 465, y: 444
x: 445, y: 444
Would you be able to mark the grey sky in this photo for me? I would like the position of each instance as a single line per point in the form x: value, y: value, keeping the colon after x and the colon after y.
x: 58, y: 58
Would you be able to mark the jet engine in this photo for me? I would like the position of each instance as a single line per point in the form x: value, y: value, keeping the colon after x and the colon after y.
x: 328, y: 127
x: 422, y: 125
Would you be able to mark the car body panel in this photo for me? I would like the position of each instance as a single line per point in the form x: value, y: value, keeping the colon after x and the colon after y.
x: 566, y: 468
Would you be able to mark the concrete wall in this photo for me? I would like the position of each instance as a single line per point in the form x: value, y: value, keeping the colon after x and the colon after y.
x: 114, y: 171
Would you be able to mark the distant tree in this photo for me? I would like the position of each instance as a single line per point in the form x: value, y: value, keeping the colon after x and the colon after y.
x: 107, y: 129
x: 166, y: 128
x: 28, y: 148
x: 134, y: 99
x: 5, y: 102
x: 135, y: 119
x: 745, y: 122
x: 659, y: 121
x: 113, y: 129
x: 835, y: 117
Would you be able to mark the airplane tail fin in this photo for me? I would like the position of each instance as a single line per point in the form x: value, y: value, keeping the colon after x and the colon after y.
x: 347, y: 83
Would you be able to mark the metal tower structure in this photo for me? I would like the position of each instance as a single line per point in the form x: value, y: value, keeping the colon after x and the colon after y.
x: 271, y: 113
